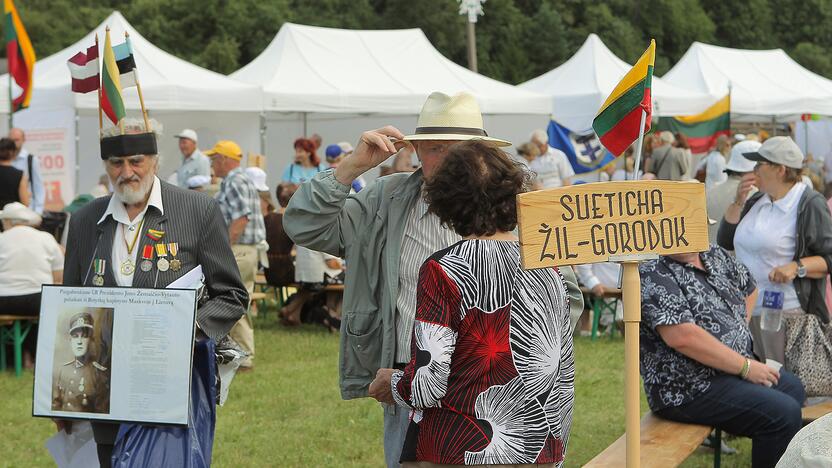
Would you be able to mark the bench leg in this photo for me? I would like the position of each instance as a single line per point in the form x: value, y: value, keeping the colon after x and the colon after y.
x: 18, y: 349
x: 596, y: 317
x: 718, y: 449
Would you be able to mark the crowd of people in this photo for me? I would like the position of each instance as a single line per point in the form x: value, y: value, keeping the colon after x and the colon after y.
x: 469, y: 354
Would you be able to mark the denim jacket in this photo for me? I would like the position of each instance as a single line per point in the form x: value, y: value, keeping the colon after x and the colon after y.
x: 366, y: 230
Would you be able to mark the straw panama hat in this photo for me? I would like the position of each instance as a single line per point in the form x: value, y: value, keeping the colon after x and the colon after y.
x: 456, y: 118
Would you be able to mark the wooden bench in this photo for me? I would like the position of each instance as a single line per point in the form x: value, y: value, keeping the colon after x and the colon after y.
x: 663, y: 444
x: 810, y: 413
x: 13, y: 331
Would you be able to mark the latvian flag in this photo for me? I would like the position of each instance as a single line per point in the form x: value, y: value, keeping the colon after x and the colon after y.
x: 84, y: 70
x: 126, y: 64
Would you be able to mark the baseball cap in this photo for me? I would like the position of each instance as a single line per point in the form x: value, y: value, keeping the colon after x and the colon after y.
x: 778, y: 150
x: 737, y: 162
x: 739, y: 137
x: 333, y: 151
x: 226, y: 148
x: 346, y: 147
x: 187, y: 133
x: 258, y: 177
x: 198, y: 181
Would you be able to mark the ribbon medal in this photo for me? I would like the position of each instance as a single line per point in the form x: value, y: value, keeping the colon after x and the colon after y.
x: 155, y: 235
x: 161, y: 252
x: 175, y: 264
x: 99, y: 264
x: 147, y: 259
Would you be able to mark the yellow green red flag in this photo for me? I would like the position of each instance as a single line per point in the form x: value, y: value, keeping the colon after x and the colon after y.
x: 112, y: 102
x: 21, y: 55
x: 617, y: 123
x: 702, y: 129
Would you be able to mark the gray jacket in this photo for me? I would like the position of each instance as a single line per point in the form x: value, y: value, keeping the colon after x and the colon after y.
x: 814, y: 237
x: 366, y: 229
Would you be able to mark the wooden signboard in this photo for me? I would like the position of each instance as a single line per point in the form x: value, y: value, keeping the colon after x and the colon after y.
x: 590, y: 223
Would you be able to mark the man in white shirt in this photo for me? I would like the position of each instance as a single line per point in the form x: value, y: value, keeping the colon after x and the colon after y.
x: 552, y: 166
x: 194, y: 162
x: 37, y: 192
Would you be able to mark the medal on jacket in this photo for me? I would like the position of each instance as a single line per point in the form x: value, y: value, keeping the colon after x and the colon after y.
x: 99, y: 264
x: 147, y: 262
x: 155, y: 235
x: 128, y: 267
x: 175, y: 264
x: 162, y: 263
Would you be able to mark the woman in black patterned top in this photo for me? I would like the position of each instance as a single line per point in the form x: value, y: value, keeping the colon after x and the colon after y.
x: 491, y: 378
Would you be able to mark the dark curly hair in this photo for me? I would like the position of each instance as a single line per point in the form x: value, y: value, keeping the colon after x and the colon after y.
x: 474, y: 189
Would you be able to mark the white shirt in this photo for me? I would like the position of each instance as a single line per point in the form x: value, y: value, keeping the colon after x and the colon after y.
x: 27, y: 259
x: 593, y: 274
x: 551, y: 168
x: 766, y: 238
x: 424, y: 235
x: 128, y: 230
x: 310, y: 265
x: 714, y: 164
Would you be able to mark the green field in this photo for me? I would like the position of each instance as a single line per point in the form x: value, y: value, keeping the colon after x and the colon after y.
x: 287, y: 412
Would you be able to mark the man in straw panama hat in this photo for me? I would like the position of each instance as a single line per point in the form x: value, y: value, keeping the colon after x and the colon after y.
x: 385, y: 233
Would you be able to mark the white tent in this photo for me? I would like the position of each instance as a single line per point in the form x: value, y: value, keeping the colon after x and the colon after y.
x: 338, y: 83
x: 177, y: 93
x: 763, y: 83
x: 313, y: 69
x: 580, y: 85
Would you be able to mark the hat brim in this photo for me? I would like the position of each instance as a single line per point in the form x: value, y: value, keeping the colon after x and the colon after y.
x: 456, y: 137
x: 756, y: 157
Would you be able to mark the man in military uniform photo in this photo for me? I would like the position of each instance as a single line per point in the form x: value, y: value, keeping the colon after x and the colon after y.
x: 82, y: 384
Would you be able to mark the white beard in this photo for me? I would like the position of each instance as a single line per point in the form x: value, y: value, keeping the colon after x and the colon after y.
x: 129, y: 196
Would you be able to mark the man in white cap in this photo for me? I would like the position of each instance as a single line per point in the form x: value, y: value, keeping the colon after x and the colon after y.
x: 194, y: 162
x: 721, y: 195
x: 385, y: 233
x: 552, y: 166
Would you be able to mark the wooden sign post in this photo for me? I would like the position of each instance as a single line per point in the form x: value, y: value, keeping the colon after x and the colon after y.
x: 624, y: 222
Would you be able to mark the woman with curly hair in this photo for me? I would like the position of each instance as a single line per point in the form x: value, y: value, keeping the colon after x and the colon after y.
x: 491, y: 377
x: 306, y: 164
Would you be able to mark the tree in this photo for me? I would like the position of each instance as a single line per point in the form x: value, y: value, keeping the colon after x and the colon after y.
x: 813, y: 57
x: 546, y: 40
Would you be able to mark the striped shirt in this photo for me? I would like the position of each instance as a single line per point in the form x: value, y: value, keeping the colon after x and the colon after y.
x: 424, y: 235
x: 237, y: 198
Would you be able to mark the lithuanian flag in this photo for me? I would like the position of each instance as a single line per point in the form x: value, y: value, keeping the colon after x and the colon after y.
x: 111, y: 101
x: 617, y: 122
x: 21, y: 55
x: 702, y: 129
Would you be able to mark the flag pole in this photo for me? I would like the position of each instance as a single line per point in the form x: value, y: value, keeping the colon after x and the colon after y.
x: 100, y: 117
x: 11, y: 100
x: 639, y: 145
x: 139, y: 89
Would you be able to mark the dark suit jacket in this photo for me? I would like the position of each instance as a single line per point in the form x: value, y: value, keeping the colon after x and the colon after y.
x: 191, y: 219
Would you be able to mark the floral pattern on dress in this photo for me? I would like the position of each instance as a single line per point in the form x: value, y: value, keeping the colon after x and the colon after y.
x: 673, y: 293
x: 504, y: 334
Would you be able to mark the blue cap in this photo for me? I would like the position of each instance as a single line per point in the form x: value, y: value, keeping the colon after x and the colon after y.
x: 333, y: 151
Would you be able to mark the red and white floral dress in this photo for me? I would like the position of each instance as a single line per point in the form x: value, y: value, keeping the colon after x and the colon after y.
x: 491, y: 378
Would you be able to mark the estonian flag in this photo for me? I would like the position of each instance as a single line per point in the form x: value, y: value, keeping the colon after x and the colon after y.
x: 585, y: 152
x: 126, y: 63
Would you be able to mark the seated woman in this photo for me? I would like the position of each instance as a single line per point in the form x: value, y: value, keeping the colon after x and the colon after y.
x: 491, y: 378
x: 313, y: 270
x: 281, y: 270
x: 696, y: 359
x: 28, y: 259
x: 783, y: 234
x: 306, y: 164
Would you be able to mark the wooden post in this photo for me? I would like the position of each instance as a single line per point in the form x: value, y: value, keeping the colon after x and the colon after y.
x: 138, y: 88
x: 100, y: 117
x: 472, y: 45
x: 631, y: 289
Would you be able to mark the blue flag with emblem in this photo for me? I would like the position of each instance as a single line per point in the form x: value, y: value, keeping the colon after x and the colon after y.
x: 584, y: 152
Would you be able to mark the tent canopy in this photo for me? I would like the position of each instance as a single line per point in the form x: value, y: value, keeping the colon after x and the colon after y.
x: 580, y: 85
x: 168, y: 83
x: 762, y: 82
x: 315, y: 69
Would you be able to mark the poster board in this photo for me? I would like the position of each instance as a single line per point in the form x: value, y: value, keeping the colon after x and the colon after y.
x: 591, y: 223
x: 115, y: 354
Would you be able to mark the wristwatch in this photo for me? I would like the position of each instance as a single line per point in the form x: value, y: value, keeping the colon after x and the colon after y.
x: 801, y: 269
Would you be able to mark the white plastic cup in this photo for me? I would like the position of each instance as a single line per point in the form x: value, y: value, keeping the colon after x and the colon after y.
x: 774, y: 364
x: 771, y: 319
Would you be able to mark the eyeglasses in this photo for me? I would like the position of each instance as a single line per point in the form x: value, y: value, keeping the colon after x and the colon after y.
x: 134, y: 161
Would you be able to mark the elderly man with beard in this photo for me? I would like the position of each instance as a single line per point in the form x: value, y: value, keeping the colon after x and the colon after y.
x: 148, y: 234
x: 385, y: 233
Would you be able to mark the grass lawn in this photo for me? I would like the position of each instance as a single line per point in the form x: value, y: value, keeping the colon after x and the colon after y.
x: 288, y: 412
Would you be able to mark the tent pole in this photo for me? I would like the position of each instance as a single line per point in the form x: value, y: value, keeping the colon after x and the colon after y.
x: 263, y: 134
x: 304, y: 125
x: 773, y: 125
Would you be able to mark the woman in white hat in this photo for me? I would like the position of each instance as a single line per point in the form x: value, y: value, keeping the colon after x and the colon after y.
x: 28, y: 259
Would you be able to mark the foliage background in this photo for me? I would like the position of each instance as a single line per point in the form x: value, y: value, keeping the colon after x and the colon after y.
x: 516, y: 39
